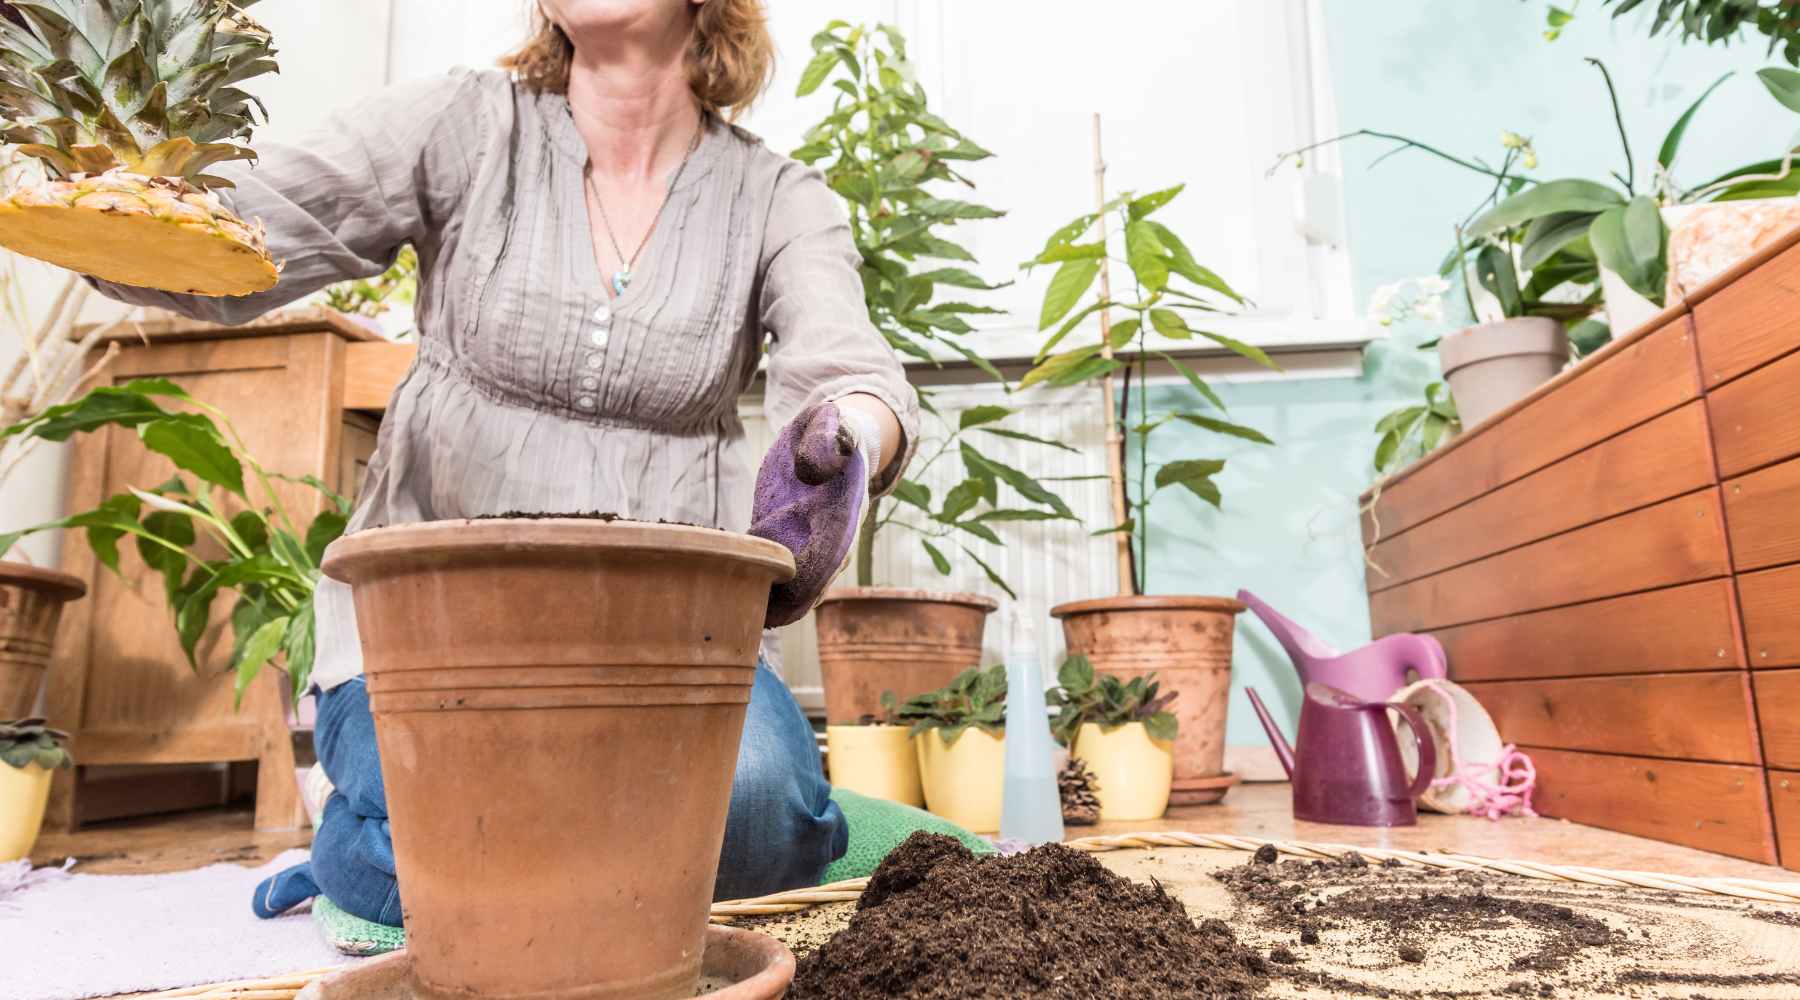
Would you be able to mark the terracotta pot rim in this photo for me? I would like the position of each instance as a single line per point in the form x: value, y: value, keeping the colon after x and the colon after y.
x: 909, y: 594
x: 778, y: 965
x: 860, y: 728
x: 20, y: 574
x: 1149, y: 602
x: 359, y: 555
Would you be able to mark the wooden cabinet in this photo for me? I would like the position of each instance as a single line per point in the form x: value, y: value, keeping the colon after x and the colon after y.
x: 1613, y: 565
x: 120, y: 683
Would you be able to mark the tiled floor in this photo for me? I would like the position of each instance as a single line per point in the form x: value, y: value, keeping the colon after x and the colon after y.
x: 189, y: 840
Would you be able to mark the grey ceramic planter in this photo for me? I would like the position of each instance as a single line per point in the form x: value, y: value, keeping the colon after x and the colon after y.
x: 1493, y: 365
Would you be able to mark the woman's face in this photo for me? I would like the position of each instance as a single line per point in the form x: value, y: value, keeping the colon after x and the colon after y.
x: 584, y: 17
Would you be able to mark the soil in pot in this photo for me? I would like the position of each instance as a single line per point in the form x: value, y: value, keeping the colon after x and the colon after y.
x: 31, y: 603
x: 937, y: 923
x: 570, y: 684
x: 875, y: 639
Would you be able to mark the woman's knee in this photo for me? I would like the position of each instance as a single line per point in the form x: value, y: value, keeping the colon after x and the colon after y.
x: 353, y: 863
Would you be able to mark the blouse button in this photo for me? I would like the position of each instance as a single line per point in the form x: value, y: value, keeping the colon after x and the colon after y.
x: 598, y: 336
x: 595, y: 361
x: 585, y: 402
x: 590, y: 382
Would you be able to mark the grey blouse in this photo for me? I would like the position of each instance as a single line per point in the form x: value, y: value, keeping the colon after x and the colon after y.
x: 531, y: 391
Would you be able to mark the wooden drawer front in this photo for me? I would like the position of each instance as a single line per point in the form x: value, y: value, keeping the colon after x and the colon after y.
x: 1703, y: 716
x: 1714, y: 807
x: 1778, y: 706
x: 1623, y: 389
x: 1763, y: 509
x: 1753, y: 320
x: 1655, y: 461
x: 1677, y: 628
x: 1784, y: 796
x: 1753, y: 417
x: 1676, y: 541
x: 1771, y: 602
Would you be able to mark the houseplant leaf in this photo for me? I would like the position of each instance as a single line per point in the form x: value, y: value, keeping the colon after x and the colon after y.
x: 1631, y: 241
x: 1782, y: 84
x: 1548, y: 198
x: 1672, y: 142
x: 194, y: 444
x: 1224, y: 427
x: 1070, y: 283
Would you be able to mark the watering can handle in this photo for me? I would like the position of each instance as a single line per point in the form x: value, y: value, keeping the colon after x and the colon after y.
x: 1427, y: 748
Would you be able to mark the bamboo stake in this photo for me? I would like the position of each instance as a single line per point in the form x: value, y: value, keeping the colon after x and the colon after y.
x: 1115, y: 438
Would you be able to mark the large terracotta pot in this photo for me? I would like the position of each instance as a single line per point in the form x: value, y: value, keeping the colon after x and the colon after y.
x: 558, y: 704
x: 1186, y: 642
x: 875, y: 639
x: 31, y: 603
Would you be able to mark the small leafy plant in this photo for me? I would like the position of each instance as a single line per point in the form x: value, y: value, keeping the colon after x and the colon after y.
x: 1709, y: 21
x: 30, y: 741
x: 1172, y: 295
x: 187, y: 532
x: 977, y: 697
x: 1082, y: 696
x: 890, y: 158
x: 372, y: 297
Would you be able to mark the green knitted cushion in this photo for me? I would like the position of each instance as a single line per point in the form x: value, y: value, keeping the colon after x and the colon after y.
x: 877, y: 826
x: 353, y: 935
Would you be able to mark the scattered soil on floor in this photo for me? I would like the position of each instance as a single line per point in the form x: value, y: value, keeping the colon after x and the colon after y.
x: 936, y: 923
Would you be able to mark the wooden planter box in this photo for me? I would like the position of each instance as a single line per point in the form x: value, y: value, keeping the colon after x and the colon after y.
x: 1613, y: 566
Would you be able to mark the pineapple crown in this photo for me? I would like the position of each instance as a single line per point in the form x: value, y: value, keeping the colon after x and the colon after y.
x: 29, y: 741
x: 148, y: 85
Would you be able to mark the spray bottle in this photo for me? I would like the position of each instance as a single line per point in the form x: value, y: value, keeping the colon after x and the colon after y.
x: 1031, y: 809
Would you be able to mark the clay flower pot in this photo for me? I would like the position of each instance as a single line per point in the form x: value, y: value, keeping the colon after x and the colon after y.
x: 1186, y: 642
x: 558, y: 704
x: 877, y: 761
x: 964, y: 780
x: 1134, y: 771
x: 31, y: 603
x: 875, y: 639
x: 739, y: 965
x: 1493, y: 365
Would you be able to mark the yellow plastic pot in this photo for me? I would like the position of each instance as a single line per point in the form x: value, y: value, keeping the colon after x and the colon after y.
x: 23, y: 793
x: 963, y: 780
x: 877, y: 761
x: 1132, y: 769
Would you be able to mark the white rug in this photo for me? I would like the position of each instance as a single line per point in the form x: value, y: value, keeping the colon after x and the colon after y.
x: 71, y: 936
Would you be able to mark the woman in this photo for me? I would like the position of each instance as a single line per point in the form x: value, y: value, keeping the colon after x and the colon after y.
x: 601, y: 261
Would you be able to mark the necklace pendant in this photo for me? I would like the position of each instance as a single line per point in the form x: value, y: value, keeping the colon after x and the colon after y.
x: 620, y: 279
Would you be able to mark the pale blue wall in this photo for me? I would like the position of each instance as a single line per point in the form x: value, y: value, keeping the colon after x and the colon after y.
x: 1455, y: 75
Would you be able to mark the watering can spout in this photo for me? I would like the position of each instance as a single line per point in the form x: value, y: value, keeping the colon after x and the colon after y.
x: 1282, y: 751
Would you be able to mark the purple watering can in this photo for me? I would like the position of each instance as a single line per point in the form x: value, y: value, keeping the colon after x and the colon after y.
x: 1347, y: 767
x: 1372, y: 673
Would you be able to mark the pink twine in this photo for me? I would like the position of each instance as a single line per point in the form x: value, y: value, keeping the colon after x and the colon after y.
x: 1492, y: 799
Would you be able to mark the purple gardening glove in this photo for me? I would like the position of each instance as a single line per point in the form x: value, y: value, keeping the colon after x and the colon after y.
x: 810, y: 495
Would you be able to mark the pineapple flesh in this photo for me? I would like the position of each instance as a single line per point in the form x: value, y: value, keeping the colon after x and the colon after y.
x: 125, y: 104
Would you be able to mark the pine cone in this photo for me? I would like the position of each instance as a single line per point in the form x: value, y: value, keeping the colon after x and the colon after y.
x: 1080, y: 793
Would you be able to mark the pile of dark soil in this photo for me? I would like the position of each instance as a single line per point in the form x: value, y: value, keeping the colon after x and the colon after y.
x: 936, y: 923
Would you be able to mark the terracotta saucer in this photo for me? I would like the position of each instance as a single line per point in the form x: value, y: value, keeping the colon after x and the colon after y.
x: 1202, y: 791
x: 739, y: 965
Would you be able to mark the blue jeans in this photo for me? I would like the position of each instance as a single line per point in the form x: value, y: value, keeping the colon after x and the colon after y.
x: 781, y: 832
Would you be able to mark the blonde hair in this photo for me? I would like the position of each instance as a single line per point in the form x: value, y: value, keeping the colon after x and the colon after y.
x: 729, y: 59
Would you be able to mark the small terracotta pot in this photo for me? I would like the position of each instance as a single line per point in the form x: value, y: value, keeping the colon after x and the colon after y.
x: 1493, y: 365
x: 964, y: 780
x: 739, y: 965
x: 875, y: 639
x: 877, y: 761
x: 558, y: 704
x: 1133, y: 771
x: 1186, y: 642
x: 23, y: 793
x: 31, y: 603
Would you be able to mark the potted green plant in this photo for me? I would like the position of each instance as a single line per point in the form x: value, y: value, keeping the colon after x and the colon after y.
x: 371, y: 301
x: 959, y: 732
x: 1124, y: 733
x: 890, y: 158
x: 29, y: 751
x: 1184, y: 638
x: 874, y: 755
x: 218, y: 525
